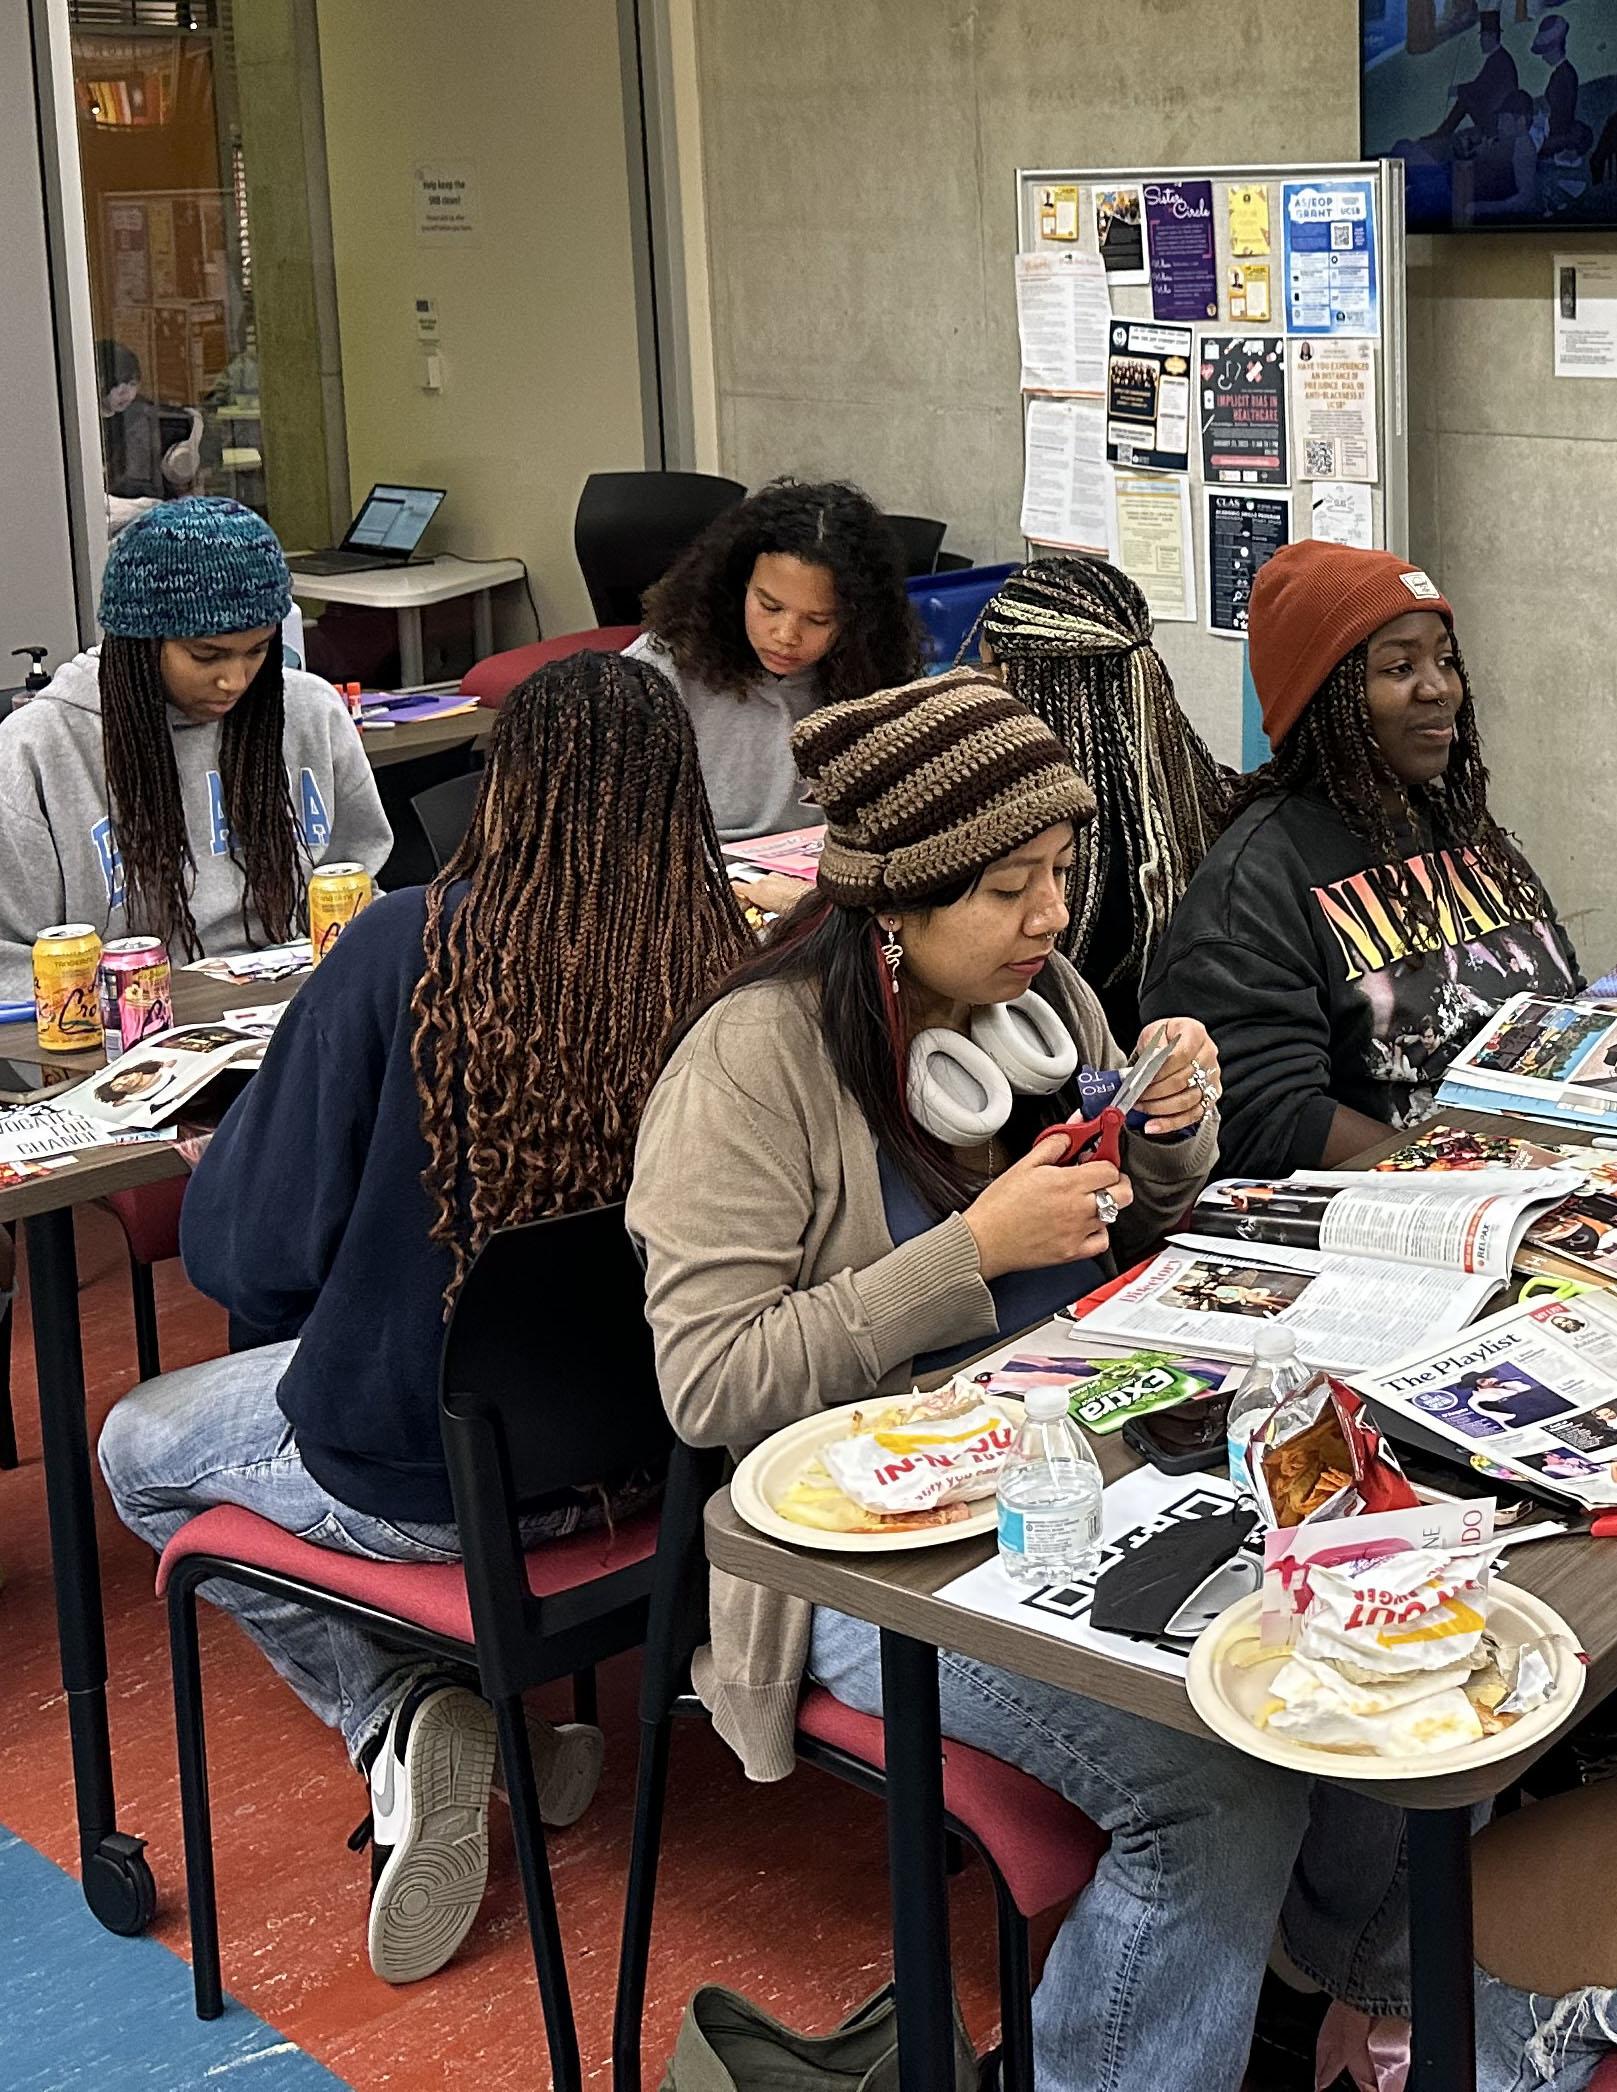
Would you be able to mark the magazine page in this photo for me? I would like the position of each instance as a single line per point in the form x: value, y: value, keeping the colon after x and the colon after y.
x: 1468, y: 1224
x: 1578, y: 1236
x: 1533, y: 1390
x: 33, y: 1136
x: 1348, y: 1314
x: 796, y: 852
x: 1554, y: 1060
x: 147, y: 1086
x: 274, y: 962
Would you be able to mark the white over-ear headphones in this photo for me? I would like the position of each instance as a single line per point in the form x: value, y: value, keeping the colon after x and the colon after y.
x: 960, y: 1089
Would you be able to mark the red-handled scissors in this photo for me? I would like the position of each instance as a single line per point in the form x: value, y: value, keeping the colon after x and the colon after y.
x: 1100, y: 1139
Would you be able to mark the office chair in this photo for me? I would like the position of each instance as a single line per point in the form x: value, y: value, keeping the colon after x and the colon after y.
x: 919, y: 540
x: 445, y: 813
x: 630, y: 527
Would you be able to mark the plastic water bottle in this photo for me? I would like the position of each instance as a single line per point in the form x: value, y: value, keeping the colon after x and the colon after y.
x: 1049, y: 1496
x: 1275, y: 1370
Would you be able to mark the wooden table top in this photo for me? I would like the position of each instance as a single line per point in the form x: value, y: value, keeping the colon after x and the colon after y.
x: 412, y: 737
x: 198, y: 999
x: 1578, y: 1577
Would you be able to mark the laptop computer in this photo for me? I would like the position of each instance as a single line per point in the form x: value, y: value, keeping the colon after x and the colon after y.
x: 391, y: 523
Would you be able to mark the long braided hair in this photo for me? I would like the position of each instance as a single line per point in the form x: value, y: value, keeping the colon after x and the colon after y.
x: 1331, y: 753
x: 594, y: 910
x: 1074, y: 639
x: 148, y: 811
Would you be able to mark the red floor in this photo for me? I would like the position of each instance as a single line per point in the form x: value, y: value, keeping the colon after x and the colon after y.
x: 779, y: 1892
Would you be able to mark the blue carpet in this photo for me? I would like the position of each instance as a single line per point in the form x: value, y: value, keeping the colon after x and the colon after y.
x: 87, y: 2012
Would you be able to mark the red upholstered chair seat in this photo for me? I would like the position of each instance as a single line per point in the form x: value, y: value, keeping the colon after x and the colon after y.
x: 150, y: 1217
x: 1046, y: 1848
x: 429, y: 1594
x: 492, y: 680
x: 1605, y: 2077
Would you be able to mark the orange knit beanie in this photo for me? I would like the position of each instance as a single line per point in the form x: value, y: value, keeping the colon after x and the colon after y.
x: 1311, y: 605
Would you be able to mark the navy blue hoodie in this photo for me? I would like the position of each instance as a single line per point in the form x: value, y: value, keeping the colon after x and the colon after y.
x: 307, y: 1214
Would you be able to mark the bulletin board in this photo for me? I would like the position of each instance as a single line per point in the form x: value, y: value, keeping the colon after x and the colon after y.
x: 1205, y: 249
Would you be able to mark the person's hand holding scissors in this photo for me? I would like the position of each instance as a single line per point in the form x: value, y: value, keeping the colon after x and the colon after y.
x: 1185, y: 1089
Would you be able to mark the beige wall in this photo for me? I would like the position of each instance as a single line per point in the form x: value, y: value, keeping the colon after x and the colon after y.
x: 860, y: 166
x: 1511, y: 478
x: 537, y: 318
x: 859, y: 162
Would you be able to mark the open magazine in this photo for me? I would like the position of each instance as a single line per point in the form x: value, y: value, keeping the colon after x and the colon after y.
x: 145, y: 1087
x: 1453, y: 1222
x: 1542, y: 1059
x: 796, y: 852
x: 1531, y: 1392
x: 1575, y: 1239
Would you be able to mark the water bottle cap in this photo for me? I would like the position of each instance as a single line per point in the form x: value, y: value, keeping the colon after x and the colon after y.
x: 1272, y: 1343
x: 1046, y: 1403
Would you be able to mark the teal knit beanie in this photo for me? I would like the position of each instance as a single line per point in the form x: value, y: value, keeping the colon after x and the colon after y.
x: 193, y: 569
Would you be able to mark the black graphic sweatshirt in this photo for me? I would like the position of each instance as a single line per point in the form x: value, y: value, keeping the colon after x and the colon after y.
x: 1303, y: 963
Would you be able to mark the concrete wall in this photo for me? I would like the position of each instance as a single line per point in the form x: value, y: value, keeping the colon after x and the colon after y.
x: 859, y: 164
x: 1511, y: 488
x: 541, y: 367
x: 37, y: 600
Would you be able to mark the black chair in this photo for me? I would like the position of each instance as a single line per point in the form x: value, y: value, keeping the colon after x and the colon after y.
x: 677, y: 1627
x: 8, y: 1424
x: 920, y: 539
x: 630, y: 527
x: 445, y: 813
x: 525, y: 1412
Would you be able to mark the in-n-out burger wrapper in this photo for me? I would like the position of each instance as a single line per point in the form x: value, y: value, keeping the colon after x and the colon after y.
x: 1385, y: 1655
x: 929, y: 1450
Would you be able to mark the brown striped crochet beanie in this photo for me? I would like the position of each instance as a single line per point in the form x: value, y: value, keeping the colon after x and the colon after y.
x: 930, y: 783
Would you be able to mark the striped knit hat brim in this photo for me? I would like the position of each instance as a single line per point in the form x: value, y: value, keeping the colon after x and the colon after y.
x: 931, y: 783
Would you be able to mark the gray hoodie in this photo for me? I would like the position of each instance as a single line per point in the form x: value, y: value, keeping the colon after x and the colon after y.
x: 60, y: 863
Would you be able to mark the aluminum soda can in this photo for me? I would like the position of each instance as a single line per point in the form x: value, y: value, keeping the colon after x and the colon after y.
x: 66, y: 1005
x: 337, y: 892
x: 137, y: 992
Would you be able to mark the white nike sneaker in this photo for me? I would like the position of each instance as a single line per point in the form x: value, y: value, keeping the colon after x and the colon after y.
x: 567, y: 1761
x: 429, y: 1785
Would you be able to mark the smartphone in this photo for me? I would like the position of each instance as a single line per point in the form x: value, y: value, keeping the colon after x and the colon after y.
x: 25, y: 1082
x: 1182, y: 1440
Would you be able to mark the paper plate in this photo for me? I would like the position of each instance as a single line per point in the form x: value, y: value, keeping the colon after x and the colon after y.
x: 769, y: 1470
x: 1228, y: 1696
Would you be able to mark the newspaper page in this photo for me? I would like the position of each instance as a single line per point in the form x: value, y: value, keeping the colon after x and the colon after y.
x: 148, y: 1085
x: 1545, y: 1059
x: 1347, y: 1314
x: 1531, y: 1391
x: 33, y: 1136
x: 1456, y: 1223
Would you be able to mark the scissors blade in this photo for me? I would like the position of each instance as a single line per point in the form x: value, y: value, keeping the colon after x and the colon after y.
x: 1141, y: 1075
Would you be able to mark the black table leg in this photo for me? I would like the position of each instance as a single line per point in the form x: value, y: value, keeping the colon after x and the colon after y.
x: 915, y: 1864
x: 1443, y: 2045
x: 118, y: 1883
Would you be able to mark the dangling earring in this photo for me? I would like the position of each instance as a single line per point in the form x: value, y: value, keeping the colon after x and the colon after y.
x: 892, y: 953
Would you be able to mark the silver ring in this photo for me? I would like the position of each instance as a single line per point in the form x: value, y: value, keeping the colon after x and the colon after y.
x: 1106, y: 1209
x: 1201, y: 1080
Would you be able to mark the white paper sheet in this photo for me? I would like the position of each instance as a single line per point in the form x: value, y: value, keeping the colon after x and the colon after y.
x: 1133, y: 1509
x: 1152, y: 541
x: 1342, y: 514
x: 1066, y: 495
x: 1333, y: 409
x: 1585, y: 292
x: 1063, y: 310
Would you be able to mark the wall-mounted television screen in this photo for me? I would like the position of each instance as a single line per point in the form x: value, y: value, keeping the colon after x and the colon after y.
x: 1503, y: 116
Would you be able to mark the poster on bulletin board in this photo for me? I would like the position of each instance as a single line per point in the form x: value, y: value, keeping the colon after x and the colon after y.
x: 1243, y: 532
x: 1331, y: 263
x: 1243, y: 410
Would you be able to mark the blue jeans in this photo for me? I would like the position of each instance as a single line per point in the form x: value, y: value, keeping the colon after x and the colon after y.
x: 1529, y: 2043
x: 1153, y: 1978
x: 213, y: 1434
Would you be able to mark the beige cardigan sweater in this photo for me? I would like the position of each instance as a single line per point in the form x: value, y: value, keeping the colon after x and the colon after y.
x: 774, y: 1289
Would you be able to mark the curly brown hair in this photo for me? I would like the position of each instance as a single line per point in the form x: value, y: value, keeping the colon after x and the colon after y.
x: 148, y: 810
x: 586, y: 910
x: 698, y: 608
